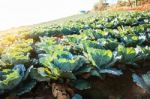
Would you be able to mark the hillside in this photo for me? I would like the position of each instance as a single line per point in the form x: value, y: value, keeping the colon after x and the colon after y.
x: 98, y: 55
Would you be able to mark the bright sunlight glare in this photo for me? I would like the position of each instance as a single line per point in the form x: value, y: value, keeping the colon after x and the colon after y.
x: 15, y: 13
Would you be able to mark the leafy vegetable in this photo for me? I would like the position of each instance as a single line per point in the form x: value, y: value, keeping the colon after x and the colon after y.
x: 24, y: 88
x: 75, y: 50
x: 81, y: 84
x: 11, y: 78
x: 140, y: 82
x: 99, y: 58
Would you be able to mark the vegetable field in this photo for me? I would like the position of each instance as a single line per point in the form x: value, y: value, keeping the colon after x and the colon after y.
x: 93, y: 56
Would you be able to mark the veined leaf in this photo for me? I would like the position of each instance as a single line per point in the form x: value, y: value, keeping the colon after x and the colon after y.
x: 81, y: 84
x: 46, y: 60
x: 42, y: 74
x: 68, y: 75
x: 84, y: 69
x: 9, y: 79
x: 21, y: 69
x: 95, y: 73
x: 17, y: 53
x: 65, y: 64
x: 146, y: 78
x: 128, y: 54
x: 112, y: 71
x: 100, y: 58
x: 140, y: 82
x: 90, y: 44
x: 24, y: 88
x: 64, y: 54
x: 110, y: 44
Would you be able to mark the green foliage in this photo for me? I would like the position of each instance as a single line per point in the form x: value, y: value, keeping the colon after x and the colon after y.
x: 81, y: 84
x: 24, y: 87
x: 17, y: 53
x: 99, y: 58
x: 143, y: 81
x: 73, y: 51
x: 146, y: 78
x: 128, y: 54
x: 42, y: 74
x: 111, y: 71
x: 9, y: 79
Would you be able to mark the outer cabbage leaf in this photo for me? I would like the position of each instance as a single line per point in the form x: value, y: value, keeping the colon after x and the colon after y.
x: 110, y: 44
x: 42, y: 74
x: 91, y: 44
x: 24, y: 87
x: 95, y: 73
x: 46, y: 60
x: 17, y: 53
x: 75, y: 38
x: 146, y: 78
x: 81, y: 84
x: 45, y: 44
x: 80, y: 60
x: 132, y: 40
x: 131, y: 54
x: 21, y: 69
x: 64, y: 54
x: 146, y: 51
x: 128, y: 54
x: 99, y: 58
x: 68, y: 75
x: 9, y: 79
x: 112, y: 71
x: 65, y: 64
x: 140, y: 82
x: 84, y: 69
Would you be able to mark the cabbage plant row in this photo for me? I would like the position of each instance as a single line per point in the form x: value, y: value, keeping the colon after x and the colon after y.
x: 95, y: 45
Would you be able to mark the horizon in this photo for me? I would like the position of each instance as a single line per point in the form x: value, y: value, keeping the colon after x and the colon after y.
x: 16, y: 13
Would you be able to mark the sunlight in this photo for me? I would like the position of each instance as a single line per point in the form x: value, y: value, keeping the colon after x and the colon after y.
x: 24, y: 12
x: 74, y: 49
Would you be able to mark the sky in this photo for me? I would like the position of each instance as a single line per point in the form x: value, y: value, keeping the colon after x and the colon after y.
x: 14, y: 13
